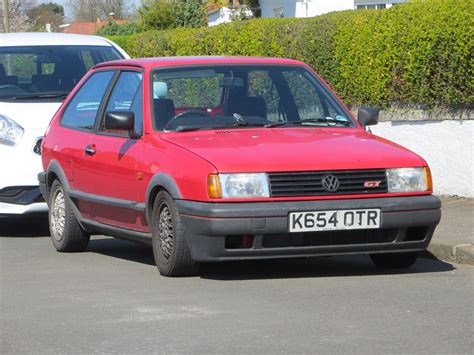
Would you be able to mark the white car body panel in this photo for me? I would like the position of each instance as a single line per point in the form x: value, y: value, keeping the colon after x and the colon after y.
x: 19, y: 165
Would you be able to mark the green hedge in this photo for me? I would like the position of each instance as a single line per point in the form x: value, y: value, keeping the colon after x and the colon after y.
x: 415, y: 53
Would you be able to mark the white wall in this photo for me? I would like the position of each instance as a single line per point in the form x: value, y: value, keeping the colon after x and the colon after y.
x: 303, y: 8
x: 319, y: 7
x: 447, y: 146
x: 219, y: 17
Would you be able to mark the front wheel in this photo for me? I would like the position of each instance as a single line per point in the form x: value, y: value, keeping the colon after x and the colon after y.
x: 171, y: 252
x: 66, y: 233
x: 394, y: 260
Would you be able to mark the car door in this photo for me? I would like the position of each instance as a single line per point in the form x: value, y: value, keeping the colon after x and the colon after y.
x: 75, y: 134
x: 110, y: 174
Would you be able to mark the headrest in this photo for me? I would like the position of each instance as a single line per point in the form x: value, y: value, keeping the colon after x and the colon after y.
x: 160, y: 89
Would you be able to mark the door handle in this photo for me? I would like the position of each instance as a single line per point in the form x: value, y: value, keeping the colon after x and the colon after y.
x: 90, y: 149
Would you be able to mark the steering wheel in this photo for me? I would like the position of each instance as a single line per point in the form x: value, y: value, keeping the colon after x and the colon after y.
x: 185, y: 114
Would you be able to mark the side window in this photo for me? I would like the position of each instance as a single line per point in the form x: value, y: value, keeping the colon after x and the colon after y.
x: 261, y: 85
x: 82, y: 109
x: 126, y: 96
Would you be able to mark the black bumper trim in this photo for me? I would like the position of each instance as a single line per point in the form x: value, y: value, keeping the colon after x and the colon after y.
x: 42, y: 185
x: 279, y: 209
x: 207, y: 225
x: 21, y: 195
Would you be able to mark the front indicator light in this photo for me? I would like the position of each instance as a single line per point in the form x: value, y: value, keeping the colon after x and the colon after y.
x: 214, y: 186
x: 428, y: 178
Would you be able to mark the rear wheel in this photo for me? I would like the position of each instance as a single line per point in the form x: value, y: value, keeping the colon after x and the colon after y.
x: 66, y: 233
x: 394, y: 260
x: 171, y: 252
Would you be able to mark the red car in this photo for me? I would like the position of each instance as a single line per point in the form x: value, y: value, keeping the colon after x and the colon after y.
x: 215, y: 158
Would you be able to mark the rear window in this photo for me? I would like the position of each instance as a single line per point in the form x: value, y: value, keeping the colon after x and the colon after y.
x: 42, y: 71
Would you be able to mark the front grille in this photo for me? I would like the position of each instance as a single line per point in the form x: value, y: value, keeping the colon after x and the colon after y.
x: 309, y: 183
x: 329, y: 238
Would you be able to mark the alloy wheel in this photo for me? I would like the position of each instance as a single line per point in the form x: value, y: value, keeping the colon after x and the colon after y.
x: 58, y: 214
x: 165, y: 231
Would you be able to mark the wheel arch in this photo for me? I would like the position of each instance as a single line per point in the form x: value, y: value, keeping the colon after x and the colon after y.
x: 159, y: 182
x: 55, y: 172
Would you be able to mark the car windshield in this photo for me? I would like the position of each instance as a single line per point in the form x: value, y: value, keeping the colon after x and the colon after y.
x: 212, y: 97
x: 47, y: 72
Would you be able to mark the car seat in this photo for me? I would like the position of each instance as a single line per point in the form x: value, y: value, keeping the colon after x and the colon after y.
x: 7, y: 79
x: 164, y: 110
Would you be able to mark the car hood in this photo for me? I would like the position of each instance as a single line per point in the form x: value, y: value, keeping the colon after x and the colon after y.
x: 30, y: 115
x: 293, y: 149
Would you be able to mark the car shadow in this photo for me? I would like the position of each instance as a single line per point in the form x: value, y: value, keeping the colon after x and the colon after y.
x: 25, y: 226
x: 334, y: 266
x: 121, y: 249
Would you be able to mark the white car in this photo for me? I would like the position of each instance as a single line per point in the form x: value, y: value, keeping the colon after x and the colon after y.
x: 37, y: 71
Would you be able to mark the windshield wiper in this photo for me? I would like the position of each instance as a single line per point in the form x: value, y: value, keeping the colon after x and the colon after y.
x: 55, y: 95
x: 327, y: 120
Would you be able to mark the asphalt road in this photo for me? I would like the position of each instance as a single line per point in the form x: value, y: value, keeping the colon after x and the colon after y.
x: 111, y: 299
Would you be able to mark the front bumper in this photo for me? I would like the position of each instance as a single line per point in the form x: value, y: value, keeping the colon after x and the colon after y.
x: 19, y: 191
x: 18, y: 200
x: 407, y: 224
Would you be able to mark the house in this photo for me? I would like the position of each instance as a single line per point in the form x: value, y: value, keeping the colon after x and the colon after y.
x: 310, y: 8
x: 89, y: 28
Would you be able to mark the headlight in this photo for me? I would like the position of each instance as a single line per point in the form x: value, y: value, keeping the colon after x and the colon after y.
x: 409, y: 179
x: 247, y: 185
x: 10, y: 131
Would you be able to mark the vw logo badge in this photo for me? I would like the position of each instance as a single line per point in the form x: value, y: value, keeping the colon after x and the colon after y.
x: 330, y: 183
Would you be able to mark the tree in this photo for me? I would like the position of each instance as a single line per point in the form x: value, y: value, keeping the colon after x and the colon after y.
x: 189, y: 13
x: 43, y: 14
x: 114, y: 29
x: 162, y: 14
x: 254, y: 6
x: 17, y: 10
x: 156, y: 14
x: 91, y: 10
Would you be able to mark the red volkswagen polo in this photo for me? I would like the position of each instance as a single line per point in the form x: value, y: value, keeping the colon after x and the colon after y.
x: 215, y: 158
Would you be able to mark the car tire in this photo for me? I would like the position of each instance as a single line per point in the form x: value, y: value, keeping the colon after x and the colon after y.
x: 394, y: 260
x: 170, y: 249
x: 66, y: 233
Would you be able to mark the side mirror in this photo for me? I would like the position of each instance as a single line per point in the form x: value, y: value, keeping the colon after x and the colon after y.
x: 120, y: 120
x: 368, y: 116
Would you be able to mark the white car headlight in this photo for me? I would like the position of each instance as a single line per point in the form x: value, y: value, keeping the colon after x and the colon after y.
x: 408, y: 179
x: 10, y: 131
x: 245, y: 185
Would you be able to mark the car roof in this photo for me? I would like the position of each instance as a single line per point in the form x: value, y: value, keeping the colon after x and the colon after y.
x: 148, y: 63
x: 50, y: 39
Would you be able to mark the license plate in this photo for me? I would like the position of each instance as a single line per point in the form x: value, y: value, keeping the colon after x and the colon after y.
x: 334, y: 220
